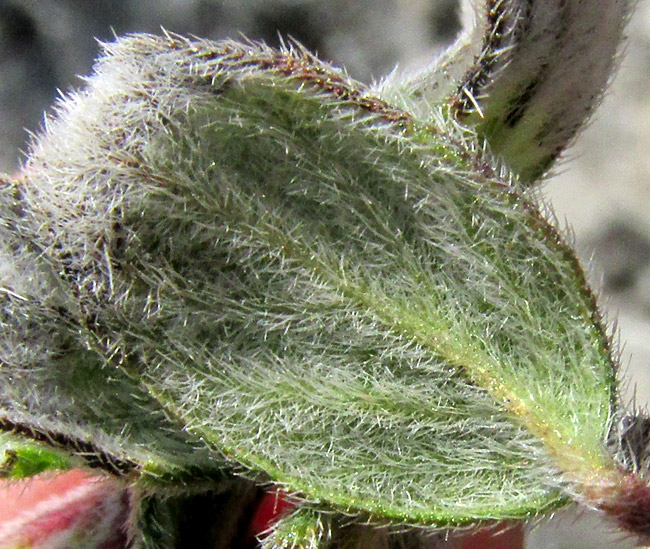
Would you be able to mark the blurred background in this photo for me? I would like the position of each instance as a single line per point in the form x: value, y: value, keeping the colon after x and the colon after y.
x: 602, y: 189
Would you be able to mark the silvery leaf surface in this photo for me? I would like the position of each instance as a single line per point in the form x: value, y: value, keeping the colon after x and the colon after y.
x: 325, y: 290
x: 62, y: 405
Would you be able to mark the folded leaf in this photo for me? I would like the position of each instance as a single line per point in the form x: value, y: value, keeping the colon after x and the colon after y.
x: 527, y: 74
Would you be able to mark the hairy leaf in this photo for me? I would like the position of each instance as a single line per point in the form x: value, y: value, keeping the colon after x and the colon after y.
x: 319, y: 286
x: 226, y: 259
x: 526, y: 73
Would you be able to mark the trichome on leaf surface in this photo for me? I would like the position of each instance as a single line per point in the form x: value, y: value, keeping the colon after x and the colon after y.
x: 227, y: 266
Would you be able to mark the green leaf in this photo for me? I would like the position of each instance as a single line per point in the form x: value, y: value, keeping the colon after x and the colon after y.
x: 234, y: 260
x: 19, y: 459
x: 321, y: 287
x: 57, y: 392
x: 304, y: 529
x: 527, y: 74
x: 307, y: 528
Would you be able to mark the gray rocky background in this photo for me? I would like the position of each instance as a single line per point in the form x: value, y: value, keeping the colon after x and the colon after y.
x: 602, y: 190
